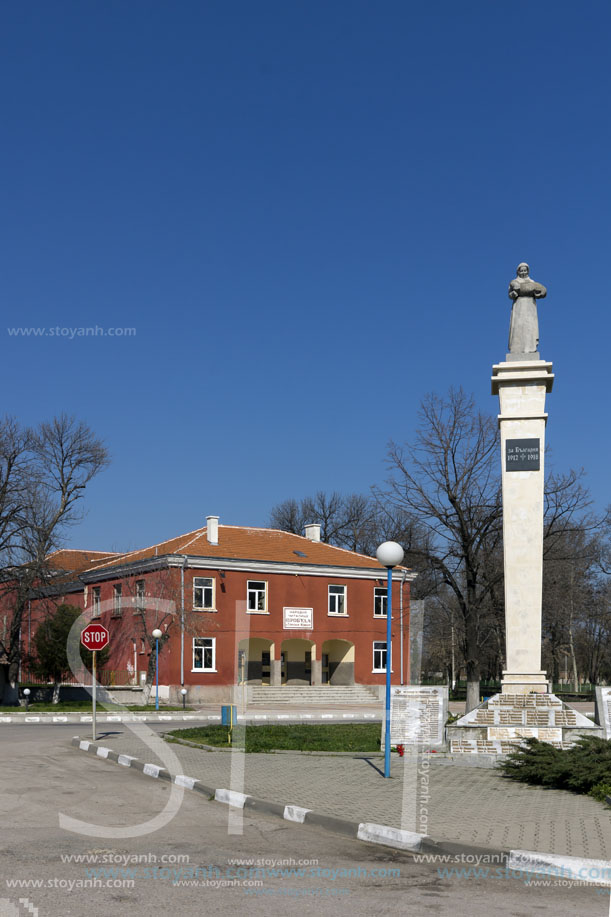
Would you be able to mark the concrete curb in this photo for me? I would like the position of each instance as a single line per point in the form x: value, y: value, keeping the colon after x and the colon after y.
x: 376, y: 834
x: 531, y: 863
x: 553, y: 865
x: 47, y: 719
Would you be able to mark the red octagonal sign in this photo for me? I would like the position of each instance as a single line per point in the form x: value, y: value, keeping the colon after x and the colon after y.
x: 95, y: 637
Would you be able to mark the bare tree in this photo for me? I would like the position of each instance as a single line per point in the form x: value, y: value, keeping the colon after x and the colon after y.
x: 289, y: 516
x: 161, y: 606
x: 447, y: 480
x: 443, y: 504
x: 357, y: 522
x: 341, y: 519
x: 576, y: 613
x: 43, y: 473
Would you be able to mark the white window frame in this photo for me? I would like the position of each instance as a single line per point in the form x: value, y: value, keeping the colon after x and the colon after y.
x: 212, y: 586
x: 337, y: 595
x: 380, y: 592
x: 377, y: 648
x: 140, y: 596
x: 96, y: 594
x: 204, y: 643
x: 256, y: 592
x: 117, y: 600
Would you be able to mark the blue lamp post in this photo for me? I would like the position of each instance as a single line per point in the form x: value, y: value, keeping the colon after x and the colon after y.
x: 390, y: 554
x: 157, y: 634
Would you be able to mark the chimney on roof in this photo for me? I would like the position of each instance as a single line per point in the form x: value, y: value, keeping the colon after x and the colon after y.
x: 212, y: 529
x: 312, y: 531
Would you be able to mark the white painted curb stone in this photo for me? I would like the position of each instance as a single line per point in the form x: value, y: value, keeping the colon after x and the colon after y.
x: 295, y: 813
x: 231, y: 797
x: 392, y: 837
x: 559, y: 866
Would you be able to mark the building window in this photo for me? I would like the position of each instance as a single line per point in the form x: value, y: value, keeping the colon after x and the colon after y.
x: 117, y: 600
x: 96, y: 601
x: 203, y: 593
x: 337, y: 600
x: 139, y: 595
x: 204, y: 654
x: 380, y: 600
x: 256, y: 596
x: 379, y: 656
x: 142, y: 645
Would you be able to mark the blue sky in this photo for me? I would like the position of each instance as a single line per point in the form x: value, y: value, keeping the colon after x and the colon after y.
x: 310, y: 213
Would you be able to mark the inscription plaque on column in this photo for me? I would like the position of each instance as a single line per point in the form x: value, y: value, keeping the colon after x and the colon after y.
x: 522, y: 455
x: 418, y: 715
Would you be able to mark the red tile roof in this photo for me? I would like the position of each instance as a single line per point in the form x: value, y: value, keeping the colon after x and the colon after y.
x: 75, y: 561
x: 242, y: 543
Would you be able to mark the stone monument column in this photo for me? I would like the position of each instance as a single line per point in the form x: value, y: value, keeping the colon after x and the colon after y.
x: 521, y: 383
x: 522, y: 386
x: 524, y: 708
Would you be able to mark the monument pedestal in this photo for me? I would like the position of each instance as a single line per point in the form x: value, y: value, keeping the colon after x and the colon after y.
x: 503, y: 722
x: 522, y: 386
x: 524, y: 683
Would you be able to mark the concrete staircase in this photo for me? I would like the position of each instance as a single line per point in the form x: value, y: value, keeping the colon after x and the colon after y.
x: 311, y: 695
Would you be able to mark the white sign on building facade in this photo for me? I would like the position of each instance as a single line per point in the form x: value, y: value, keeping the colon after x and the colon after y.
x: 298, y: 618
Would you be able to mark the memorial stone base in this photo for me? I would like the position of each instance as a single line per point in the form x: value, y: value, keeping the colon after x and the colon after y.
x: 504, y: 721
x: 603, y: 710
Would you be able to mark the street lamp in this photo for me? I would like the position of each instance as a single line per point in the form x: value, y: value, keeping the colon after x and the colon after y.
x: 390, y: 554
x: 183, y: 691
x: 157, y: 634
x: 26, y: 694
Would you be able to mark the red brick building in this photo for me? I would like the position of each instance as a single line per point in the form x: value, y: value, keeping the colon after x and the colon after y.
x: 237, y: 603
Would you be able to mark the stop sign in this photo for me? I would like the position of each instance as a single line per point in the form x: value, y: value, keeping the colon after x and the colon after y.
x: 95, y: 637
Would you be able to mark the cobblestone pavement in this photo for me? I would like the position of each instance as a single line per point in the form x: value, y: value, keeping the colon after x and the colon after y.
x: 464, y: 804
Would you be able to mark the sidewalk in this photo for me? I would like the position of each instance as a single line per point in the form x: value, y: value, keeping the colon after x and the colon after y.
x: 285, y: 713
x: 466, y: 805
x: 212, y: 713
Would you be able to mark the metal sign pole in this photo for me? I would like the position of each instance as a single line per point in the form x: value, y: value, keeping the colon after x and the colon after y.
x: 93, y: 669
x: 388, y: 671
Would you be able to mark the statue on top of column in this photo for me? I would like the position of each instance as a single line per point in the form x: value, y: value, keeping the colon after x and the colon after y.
x: 524, y: 324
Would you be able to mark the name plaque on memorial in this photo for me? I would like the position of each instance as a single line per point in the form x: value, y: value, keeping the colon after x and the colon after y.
x: 418, y: 715
x: 507, y: 733
x: 298, y: 618
x: 522, y: 455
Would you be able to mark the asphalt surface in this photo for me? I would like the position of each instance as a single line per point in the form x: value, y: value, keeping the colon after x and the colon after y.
x: 466, y: 805
x: 41, y: 776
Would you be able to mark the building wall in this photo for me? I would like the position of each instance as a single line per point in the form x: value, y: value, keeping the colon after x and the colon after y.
x: 231, y: 625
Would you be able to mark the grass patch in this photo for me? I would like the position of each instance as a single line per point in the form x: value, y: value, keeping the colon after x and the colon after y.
x: 358, y: 737
x: 162, y: 709
x: 84, y: 706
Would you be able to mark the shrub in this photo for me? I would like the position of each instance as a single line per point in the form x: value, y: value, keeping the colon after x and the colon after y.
x: 601, y: 791
x: 579, y: 768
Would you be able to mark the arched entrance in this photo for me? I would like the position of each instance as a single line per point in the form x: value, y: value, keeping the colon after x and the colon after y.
x: 297, y: 656
x: 255, y: 657
x: 337, y: 662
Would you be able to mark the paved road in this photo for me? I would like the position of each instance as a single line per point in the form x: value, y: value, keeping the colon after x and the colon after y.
x: 467, y: 805
x: 41, y: 775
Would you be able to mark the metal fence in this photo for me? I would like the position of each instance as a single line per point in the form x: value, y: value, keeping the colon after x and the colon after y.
x: 109, y: 678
